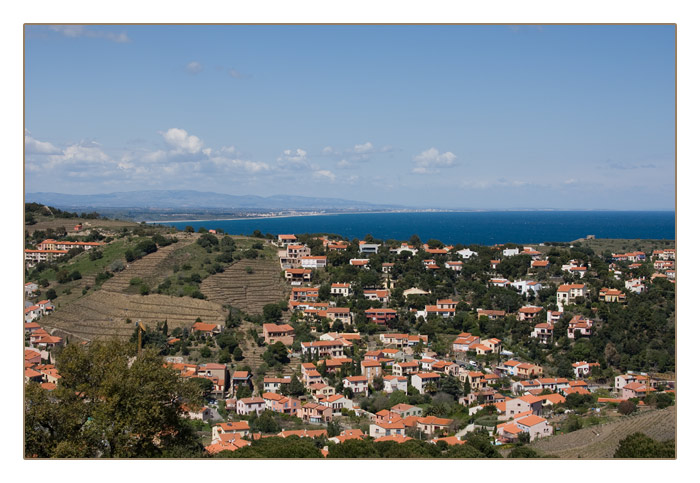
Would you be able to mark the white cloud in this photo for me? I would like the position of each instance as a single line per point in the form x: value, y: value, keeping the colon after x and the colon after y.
x: 296, y: 156
x: 246, y: 165
x: 430, y: 159
x: 363, y: 148
x: 181, y: 141
x: 194, y: 67
x: 235, y: 74
x: 32, y: 146
x: 75, y: 31
x: 327, y: 151
x: 324, y: 174
x: 344, y: 164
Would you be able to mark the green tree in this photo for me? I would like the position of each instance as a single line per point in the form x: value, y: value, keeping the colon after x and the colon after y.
x: 626, y: 407
x: 638, y: 445
x: 524, y: 452
x: 272, y: 312
x: 276, y: 354
x: 296, y: 388
x: 110, y: 403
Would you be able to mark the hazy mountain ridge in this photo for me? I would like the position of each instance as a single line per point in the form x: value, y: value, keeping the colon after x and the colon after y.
x: 191, y: 199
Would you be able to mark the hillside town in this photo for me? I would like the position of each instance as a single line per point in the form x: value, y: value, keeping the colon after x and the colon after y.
x: 394, y: 341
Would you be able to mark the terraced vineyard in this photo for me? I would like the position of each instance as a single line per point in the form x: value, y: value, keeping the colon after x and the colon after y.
x: 147, y: 268
x: 103, y: 314
x: 601, y: 441
x: 249, y: 292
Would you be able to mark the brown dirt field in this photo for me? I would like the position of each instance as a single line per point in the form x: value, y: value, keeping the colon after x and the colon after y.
x: 103, y: 314
x: 147, y: 268
x: 248, y: 292
x: 601, y: 441
x: 69, y: 223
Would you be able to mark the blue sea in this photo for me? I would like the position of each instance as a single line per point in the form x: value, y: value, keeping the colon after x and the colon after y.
x: 484, y: 228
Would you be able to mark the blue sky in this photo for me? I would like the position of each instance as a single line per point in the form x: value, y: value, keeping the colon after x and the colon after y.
x: 474, y: 117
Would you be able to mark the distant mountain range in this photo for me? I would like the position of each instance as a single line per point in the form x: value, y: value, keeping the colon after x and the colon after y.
x: 197, y: 200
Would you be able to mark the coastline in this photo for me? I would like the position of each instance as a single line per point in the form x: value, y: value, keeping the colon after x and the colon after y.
x: 311, y: 214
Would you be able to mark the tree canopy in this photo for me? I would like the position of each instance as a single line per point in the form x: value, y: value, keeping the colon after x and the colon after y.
x: 110, y: 403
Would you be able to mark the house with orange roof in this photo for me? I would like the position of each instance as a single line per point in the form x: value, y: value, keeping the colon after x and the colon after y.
x: 311, y: 377
x: 490, y: 314
x: 580, y: 326
x: 202, y: 413
x: 230, y: 428
x: 304, y: 294
x: 446, y: 367
x: 315, y: 413
x: 444, y: 311
x: 283, y: 333
x: 523, y: 404
x: 357, y: 384
x: 313, y: 262
x: 539, y: 264
x: 297, y: 275
x: 275, y: 384
x: 544, y: 333
x: 583, y: 368
x: 342, y: 289
x: 30, y: 289
x: 431, y: 425
x: 371, y: 369
x: 334, y: 365
x: 535, y: 426
x: 510, y: 367
x: 241, y: 377
x: 525, y: 369
x: 405, y: 368
x: 380, y: 295
x: 611, y: 295
x: 422, y: 379
x: 342, y: 314
x: 320, y: 390
x: 339, y: 246
x: 32, y: 313
x: 208, y: 330
x: 454, y: 266
x: 32, y: 356
x: 574, y: 390
x: 382, y: 429
x: 636, y: 389
x: 337, y: 403
x: 284, y: 240
x: 360, y: 262
x: 249, y: 405
x: 380, y: 316
x: 32, y: 375
x: 324, y: 348
x: 346, y: 435
x: 551, y: 399
x: 281, y: 404
x: 32, y: 257
x: 529, y: 312
x: 566, y: 293
x: 395, y: 383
